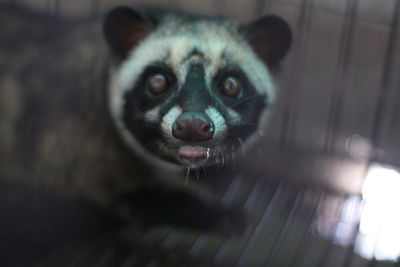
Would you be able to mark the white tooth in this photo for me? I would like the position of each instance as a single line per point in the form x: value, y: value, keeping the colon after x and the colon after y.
x: 218, y: 121
x: 168, y: 120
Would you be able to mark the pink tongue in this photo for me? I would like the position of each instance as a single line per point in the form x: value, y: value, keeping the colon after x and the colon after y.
x: 192, y: 152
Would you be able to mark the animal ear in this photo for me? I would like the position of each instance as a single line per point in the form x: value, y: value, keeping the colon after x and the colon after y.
x: 270, y: 37
x: 124, y: 28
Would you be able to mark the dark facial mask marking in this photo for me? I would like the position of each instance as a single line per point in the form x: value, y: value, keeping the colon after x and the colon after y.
x: 194, y: 95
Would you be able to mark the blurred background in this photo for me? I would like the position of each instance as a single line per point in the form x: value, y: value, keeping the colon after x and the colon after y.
x: 324, y: 187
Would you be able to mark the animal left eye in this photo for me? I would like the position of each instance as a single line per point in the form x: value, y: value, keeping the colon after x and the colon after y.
x: 157, y: 84
x: 231, y: 87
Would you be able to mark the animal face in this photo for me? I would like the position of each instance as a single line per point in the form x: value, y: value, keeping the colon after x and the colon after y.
x: 191, y: 90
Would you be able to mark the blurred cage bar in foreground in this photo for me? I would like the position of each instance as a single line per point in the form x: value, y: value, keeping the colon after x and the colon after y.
x: 337, y: 120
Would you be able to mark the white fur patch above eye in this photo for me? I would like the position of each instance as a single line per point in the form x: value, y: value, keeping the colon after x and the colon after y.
x: 153, y: 115
x: 168, y: 120
x: 218, y: 121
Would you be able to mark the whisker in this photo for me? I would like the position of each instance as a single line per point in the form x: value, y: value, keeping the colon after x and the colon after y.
x: 204, y: 169
x: 222, y: 155
x: 187, y: 175
x: 217, y: 163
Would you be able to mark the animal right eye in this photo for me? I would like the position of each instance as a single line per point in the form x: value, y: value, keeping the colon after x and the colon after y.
x: 157, y: 84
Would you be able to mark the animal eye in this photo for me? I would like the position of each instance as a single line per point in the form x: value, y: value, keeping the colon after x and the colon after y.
x: 157, y: 84
x: 231, y: 87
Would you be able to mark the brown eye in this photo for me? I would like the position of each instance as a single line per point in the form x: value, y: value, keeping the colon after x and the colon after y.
x: 231, y: 87
x: 157, y: 84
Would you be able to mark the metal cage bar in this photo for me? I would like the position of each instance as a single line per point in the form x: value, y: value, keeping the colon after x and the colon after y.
x: 386, y: 74
x: 344, y: 55
x: 287, y: 129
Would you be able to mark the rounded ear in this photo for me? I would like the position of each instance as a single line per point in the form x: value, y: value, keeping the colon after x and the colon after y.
x: 270, y: 37
x: 123, y: 29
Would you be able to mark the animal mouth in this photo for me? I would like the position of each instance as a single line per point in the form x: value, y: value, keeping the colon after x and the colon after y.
x: 193, y: 152
x: 186, y: 154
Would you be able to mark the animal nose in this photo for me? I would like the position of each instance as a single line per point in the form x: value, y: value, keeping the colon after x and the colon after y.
x: 193, y: 127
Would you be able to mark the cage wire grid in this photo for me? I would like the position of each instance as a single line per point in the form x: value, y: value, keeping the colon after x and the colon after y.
x: 283, y: 231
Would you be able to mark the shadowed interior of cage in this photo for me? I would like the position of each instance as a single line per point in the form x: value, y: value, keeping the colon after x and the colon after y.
x: 284, y: 220
x: 337, y: 116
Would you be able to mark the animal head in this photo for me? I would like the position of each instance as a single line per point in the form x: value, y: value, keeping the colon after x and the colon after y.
x: 191, y: 90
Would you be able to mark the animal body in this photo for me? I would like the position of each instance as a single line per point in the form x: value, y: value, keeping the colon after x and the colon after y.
x: 101, y: 111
